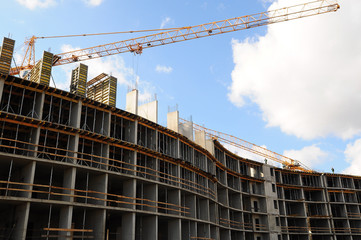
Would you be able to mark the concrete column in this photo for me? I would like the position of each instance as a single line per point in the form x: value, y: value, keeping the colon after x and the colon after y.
x: 203, y: 230
x: 150, y: 228
x: 21, y: 219
x: 191, y: 204
x: 73, y: 144
x: 96, y: 221
x: 102, y: 123
x: 210, y: 148
x: 34, y: 139
x: 214, y: 232
x: 2, y: 82
x: 200, y: 138
x: 129, y: 190
x: 150, y: 192
x: 27, y: 174
x: 128, y: 226
x: 204, y: 209
x: 132, y: 102
x: 39, y: 105
x: 225, y: 234
x: 134, y: 133
x: 133, y: 162
x: 193, y: 229
x: 173, y: 121
x: 75, y: 114
x: 99, y: 184
x: 174, y: 197
x: 108, y: 121
x: 174, y: 229
x: 271, y: 196
x: 65, y: 220
x: 69, y: 183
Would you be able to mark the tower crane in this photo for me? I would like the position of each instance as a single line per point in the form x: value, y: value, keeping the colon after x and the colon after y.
x: 288, y: 163
x: 137, y: 45
x: 173, y: 35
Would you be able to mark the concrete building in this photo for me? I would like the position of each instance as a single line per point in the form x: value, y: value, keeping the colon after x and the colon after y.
x: 74, y: 168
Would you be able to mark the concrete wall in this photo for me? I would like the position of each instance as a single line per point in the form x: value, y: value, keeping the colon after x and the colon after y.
x: 149, y: 111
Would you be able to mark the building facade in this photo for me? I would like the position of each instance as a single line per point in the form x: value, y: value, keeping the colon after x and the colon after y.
x: 74, y: 168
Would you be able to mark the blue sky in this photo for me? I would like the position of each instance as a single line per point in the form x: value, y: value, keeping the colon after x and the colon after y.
x: 292, y: 87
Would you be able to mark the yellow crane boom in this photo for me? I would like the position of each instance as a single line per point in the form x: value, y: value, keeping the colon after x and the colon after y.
x: 287, y: 162
x: 137, y: 45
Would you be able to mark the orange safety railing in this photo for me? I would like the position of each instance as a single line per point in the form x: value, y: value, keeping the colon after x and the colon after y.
x: 102, y: 163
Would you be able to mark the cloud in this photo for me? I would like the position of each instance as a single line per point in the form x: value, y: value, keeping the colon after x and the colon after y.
x: 93, y: 3
x: 165, y: 22
x: 305, y: 74
x: 163, y: 69
x: 32, y: 4
x: 310, y: 156
x: 113, y: 65
x: 353, y: 156
x: 246, y: 154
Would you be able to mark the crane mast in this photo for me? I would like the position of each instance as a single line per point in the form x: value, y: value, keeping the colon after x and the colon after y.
x: 137, y: 45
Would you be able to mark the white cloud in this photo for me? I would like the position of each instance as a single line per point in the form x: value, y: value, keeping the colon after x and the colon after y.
x: 113, y: 65
x: 304, y: 74
x: 32, y: 4
x: 246, y: 154
x: 311, y: 156
x: 163, y: 69
x: 165, y: 22
x: 353, y: 156
x: 93, y: 3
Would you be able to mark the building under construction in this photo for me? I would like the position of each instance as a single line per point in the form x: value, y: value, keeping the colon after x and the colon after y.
x: 73, y: 166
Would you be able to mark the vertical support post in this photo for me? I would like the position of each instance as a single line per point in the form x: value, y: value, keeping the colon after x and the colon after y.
x: 174, y: 229
x: 150, y: 227
x: 2, y: 83
x: 128, y: 226
x: 22, y: 218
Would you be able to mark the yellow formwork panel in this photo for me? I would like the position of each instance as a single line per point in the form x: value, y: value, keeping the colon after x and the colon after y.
x: 6, y: 55
x: 79, y: 80
x: 41, y: 72
x: 104, y: 90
